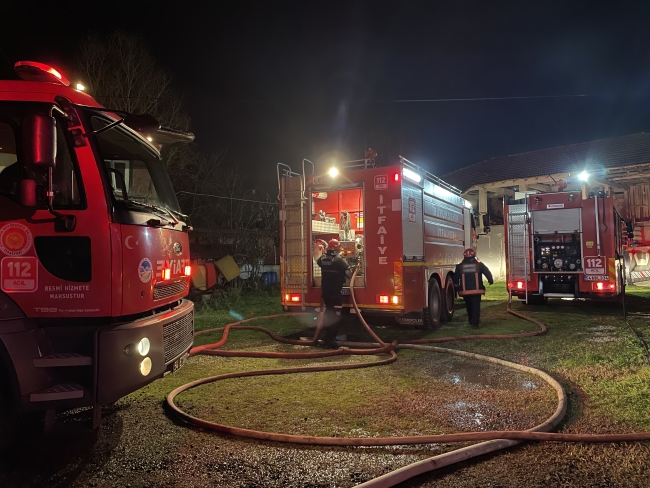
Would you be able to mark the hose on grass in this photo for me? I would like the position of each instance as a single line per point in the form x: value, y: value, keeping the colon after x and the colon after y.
x: 496, y: 440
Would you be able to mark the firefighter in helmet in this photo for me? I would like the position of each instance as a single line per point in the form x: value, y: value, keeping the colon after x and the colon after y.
x: 468, y: 281
x: 334, y: 270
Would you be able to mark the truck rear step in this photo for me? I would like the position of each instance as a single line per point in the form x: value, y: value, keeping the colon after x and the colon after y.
x: 58, y: 392
x: 58, y: 360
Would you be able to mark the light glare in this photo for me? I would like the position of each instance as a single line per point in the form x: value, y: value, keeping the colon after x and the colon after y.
x: 411, y: 175
x: 584, y: 176
x: 333, y: 172
x: 143, y: 346
x: 145, y: 366
x: 80, y: 87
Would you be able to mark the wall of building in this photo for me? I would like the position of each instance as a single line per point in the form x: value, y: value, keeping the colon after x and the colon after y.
x: 491, y: 250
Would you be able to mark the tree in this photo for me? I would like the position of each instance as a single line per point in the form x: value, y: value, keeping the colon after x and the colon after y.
x: 121, y: 73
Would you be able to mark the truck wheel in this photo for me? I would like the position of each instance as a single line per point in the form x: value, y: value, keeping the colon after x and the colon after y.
x: 448, y: 297
x: 433, y: 312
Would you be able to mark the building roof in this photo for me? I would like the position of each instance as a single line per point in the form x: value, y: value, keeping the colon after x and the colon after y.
x: 598, y: 155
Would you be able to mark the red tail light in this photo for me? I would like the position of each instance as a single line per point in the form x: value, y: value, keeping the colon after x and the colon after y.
x: 292, y: 298
x: 520, y: 285
x: 388, y: 299
x: 602, y: 286
x: 396, y: 177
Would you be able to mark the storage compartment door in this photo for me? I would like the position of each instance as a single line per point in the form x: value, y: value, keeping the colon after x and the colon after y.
x: 412, y: 222
x: 562, y: 221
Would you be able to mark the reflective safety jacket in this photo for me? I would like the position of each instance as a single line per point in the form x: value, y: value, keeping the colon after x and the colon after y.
x: 333, y: 268
x: 468, y: 278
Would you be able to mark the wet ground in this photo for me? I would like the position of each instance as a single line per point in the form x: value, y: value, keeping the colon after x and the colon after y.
x: 139, y: 446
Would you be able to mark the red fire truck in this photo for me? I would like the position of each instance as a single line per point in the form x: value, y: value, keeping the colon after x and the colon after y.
x: 565, y: 244
x: 405, y: 227
x: 94, y: 254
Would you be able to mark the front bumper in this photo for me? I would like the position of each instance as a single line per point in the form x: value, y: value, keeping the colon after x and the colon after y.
x: 171, y: 335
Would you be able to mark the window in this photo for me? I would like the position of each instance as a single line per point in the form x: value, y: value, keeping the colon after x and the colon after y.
x: 65, y: 175
x: 133, y: 165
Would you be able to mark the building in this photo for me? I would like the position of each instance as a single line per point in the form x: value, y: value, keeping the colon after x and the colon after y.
x: 620, y: 165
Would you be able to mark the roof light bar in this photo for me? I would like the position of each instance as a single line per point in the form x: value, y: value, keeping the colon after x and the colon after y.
x: 33, y: 71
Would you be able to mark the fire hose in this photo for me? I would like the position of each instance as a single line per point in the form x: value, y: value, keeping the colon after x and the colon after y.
x: 496, y: 440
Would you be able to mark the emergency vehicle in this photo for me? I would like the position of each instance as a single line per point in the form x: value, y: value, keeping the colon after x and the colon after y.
x: 94, y: 254
x: 404, y: 227
x: 564, y: 245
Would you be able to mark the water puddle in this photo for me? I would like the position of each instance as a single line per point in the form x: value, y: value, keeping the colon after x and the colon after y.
x: 464, y: 414
x: 474, y: 375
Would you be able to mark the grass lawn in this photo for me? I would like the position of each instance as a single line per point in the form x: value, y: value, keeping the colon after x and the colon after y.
x: 589, y: 348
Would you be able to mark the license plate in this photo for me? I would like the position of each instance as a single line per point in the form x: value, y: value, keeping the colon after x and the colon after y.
x: 596, y: 278
x: 179, y: 363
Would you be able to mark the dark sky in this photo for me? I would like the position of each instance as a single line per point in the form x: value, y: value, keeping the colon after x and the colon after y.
x: 275, y: 81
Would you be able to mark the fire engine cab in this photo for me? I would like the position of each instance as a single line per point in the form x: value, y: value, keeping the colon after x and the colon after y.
x: 405, y: 228
x: 94, y: 254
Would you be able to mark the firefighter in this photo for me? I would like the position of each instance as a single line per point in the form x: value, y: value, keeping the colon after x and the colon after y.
x: 334, y: 271
x: 469, y: 283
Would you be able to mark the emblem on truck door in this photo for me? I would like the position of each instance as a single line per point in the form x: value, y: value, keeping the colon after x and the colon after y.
x: 178, y: 249
x: 145, y: 270
x: 15, y: 239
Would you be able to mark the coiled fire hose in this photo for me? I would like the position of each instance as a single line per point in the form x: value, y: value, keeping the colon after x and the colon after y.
x: 496, y: 440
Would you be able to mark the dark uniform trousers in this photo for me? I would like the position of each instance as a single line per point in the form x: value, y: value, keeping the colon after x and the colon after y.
x: 473, y: 304
x: 333, y: 308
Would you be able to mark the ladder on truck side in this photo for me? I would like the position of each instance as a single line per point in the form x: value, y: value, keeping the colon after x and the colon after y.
x: 518, y: 248
x: 293, y: 260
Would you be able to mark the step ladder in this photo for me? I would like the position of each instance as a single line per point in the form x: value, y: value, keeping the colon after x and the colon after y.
x: 518, y: 247
x: 293, y: 262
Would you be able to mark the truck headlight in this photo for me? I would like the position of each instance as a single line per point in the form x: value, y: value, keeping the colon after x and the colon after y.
x: 143, y: 346
x: 145, y: 366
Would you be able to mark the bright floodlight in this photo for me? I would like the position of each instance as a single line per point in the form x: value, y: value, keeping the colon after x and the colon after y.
x: 333, y: 172
x: 584, y: 176
x: 411, y: 175
x: 467, y: 204
x: 80, y: 87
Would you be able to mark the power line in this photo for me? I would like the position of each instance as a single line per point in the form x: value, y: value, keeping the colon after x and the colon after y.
x: 225, y: 198
x: 423, y: 100
x: 491, y: 98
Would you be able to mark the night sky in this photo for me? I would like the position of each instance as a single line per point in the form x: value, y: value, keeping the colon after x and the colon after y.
x: 281, y: 81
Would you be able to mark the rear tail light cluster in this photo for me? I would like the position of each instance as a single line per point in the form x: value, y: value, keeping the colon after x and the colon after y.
x: 388, y: 299
x: 519, y: 285
x: 604, y: 286
x: 292, y: 298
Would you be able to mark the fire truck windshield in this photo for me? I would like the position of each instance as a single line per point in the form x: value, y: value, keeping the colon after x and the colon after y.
x: 135, y: 171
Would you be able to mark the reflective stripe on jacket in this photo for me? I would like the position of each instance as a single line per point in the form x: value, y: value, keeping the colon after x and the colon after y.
x: 468, y: 277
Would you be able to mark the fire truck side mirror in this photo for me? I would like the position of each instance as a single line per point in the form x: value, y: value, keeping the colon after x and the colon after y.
x: 39, y: 140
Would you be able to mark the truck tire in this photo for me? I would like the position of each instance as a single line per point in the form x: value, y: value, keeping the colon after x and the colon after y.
x: 7, y: 416
x: 448, y: 297
x: 433, y: 312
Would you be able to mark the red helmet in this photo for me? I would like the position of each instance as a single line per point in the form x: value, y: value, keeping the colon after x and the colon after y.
x: 334, y: 245
x: 469, y: 253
